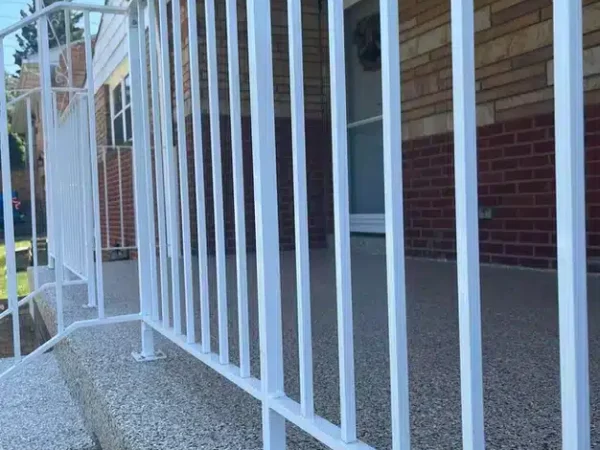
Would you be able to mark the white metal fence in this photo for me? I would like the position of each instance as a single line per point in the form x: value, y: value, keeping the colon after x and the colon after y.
x: 161, y: 302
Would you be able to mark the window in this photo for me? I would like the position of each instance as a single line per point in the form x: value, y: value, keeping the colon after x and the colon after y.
x: 120, y: 113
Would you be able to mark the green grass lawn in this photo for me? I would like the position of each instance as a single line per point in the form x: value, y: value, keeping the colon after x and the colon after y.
x: 22, y: 283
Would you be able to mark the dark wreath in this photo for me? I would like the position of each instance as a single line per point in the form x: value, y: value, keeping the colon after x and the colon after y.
x: 367, y: 37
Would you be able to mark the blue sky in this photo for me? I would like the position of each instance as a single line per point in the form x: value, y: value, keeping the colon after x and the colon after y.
x: 9, y: 14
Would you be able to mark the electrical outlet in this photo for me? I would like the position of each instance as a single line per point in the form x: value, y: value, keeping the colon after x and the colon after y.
x: 485, y: 212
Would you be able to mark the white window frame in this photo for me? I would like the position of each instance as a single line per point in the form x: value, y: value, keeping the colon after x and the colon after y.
x: 114, y: 115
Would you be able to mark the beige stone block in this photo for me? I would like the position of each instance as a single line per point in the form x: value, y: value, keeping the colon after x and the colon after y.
x: 514, y: 75
x: 427, y: 100
x: 523, y: 41
x: 485, y: 114
x: 512, y: 89
x: 546, y: 13
x: 407, y: 116
x: 426, y: 42
x: 424, y: 26
x: 519, y: 10
x: 420, y: 86
x: 415, y: 62
x: 591, y: 83
x: 591, y: 17
x: 529, y: 110
x: 503, y: 4
x: 524, y: 99
x: 483, y: 19
x: 591, y: 64
x: 507, y: 27
x: 433, y: 66
x: 492, y: 69
x: 408, y: 24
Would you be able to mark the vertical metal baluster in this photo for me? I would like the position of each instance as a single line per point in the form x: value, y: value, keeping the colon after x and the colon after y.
x: 9, y: 227
x: 266, y: 213
x: 170, y: 172
x: 467, y: 222
x: 32, y: 161
x: 394, y: 223
x: 341, y: 214
x: 237, y: 156
x: 571, y: 216
x: 91, y: 104
x: 58, y: 193
x: 158, y: 166
x: 217, y: 179
x: 145, y: 109
x: 199, y: 178
x: 300, y: 207
x: 183, y: 173
x: 140, y: 152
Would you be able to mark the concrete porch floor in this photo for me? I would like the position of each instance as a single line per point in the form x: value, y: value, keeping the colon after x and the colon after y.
x: 178, y: 403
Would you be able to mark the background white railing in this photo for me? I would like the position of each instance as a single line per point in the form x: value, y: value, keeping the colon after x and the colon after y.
x: 73, y: 175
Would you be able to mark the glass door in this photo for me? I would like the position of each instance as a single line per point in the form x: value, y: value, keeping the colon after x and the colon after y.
x: 365, y: 133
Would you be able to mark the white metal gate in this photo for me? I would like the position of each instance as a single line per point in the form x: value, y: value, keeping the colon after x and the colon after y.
x: 161, y: 308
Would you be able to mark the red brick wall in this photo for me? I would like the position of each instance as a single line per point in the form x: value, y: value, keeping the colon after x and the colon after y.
x: 111, y: 235
x: 516, y: 180
x: 317, y: 145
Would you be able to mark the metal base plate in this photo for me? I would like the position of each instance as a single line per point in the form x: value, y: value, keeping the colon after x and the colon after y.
x: 140, y: 358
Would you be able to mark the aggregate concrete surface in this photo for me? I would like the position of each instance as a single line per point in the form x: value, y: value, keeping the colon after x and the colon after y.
x: 36, y: 410
x: 179, y: 403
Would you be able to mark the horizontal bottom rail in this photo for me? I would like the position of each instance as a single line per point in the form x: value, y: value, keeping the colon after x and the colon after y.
x: 321, y: 429
x: 44, y: 287
x: 67, y: 331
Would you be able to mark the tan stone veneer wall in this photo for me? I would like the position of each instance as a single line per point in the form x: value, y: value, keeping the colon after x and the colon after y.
x: 513, y: 58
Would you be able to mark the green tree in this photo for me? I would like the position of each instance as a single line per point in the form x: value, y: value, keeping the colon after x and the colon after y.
x: 57, y: 35
x: 17, y: 150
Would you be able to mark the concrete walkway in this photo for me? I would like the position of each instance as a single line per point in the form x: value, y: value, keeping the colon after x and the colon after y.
x: 37, y: 412
x: 180, y: 404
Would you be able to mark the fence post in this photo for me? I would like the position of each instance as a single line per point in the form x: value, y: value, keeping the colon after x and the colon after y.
x: 140, y: 153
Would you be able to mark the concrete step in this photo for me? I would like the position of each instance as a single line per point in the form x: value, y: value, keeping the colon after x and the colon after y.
x: 37, y: 411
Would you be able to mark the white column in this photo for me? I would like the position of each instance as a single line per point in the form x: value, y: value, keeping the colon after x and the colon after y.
x: 571, y: 233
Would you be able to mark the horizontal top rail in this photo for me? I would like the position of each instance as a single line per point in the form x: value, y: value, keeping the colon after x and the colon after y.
x: 58, y: 6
